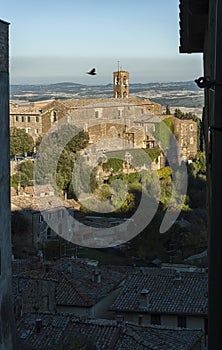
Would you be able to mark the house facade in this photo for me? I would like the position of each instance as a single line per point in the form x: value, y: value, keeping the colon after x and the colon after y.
x: 33, y: 223
x: 164, y: 297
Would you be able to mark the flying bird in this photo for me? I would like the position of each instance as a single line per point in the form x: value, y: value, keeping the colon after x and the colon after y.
x: 92, y: 71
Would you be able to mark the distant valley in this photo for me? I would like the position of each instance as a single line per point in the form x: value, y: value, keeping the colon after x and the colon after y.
x: 175, y: 94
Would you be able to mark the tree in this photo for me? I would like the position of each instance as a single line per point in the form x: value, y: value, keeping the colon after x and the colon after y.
x: 20, y: 141
x: 66, y: 142
x: 27, y: 168
x: 113, y: 164
x: 20, y: 179
x: 168, y: 110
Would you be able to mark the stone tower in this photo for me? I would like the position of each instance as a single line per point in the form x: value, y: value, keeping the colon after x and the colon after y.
x: 121, y: 84
x: 6, y: 308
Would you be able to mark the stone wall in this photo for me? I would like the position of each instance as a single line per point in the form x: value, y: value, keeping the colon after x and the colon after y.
x: 6, y: 308
x: 186, y: 134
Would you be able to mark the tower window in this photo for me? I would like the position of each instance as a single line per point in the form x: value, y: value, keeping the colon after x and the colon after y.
x: 53, y: 117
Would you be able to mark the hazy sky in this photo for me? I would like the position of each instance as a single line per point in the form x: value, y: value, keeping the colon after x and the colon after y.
x: 55, y: 41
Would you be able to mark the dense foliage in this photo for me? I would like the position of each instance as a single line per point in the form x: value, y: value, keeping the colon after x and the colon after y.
x: 20, y: 141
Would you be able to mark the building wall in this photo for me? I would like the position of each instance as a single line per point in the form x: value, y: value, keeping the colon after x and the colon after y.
x: 102, y: 131
x: 31, y: 123
x: 39, y: 296
x: 6, y: 314
x: 186, y: 134
x: 95, y: 111
x: 166, y: 320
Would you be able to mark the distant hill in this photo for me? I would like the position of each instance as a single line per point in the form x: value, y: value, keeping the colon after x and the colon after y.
x: 184, y: 94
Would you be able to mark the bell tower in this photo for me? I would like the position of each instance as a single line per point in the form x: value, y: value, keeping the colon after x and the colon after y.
x: 121, y: 84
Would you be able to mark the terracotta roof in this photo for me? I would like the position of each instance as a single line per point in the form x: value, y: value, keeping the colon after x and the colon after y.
x: 47, y: 202
x: 87, y: 291
x: 36, y: 108
x: 106, y: 102
x: 148, y: 118
x: 76, y: 285
x: 168, y: 291
x: 106, y: 334
x: 51, y: 331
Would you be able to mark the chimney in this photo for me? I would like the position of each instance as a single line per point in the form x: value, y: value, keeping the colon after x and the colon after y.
x: 69, y: 268
x: 144, y: 300
x: 119, y: 319
x: 96, y: 276
x: 38, y: 325
x: 177, y: 278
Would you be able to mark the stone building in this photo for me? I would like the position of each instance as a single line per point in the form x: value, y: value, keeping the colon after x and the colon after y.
x: 6, y: 315
x: 121, y: 84
x: 39, y: 117
x: 165, y: 297
x: 36, y: 118
x: 33, y: 224
x: 49, y: 332
x: 185, y: 131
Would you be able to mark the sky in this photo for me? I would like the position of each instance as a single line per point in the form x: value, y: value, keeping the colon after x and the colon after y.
x: 56, y: 41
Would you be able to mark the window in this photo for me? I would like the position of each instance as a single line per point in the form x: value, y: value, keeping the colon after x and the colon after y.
x: 37, y: 119
x: 23, y: 118
x: 155, y: 319
x: 97, y: 114
x: 17, y: 118
x: 28, y: 130
x: 54, y: 116
x: 140, y: 319
x: 36, y: 131
x: 191, y: 127
x: 181, y: 321
x: 29, y: 119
